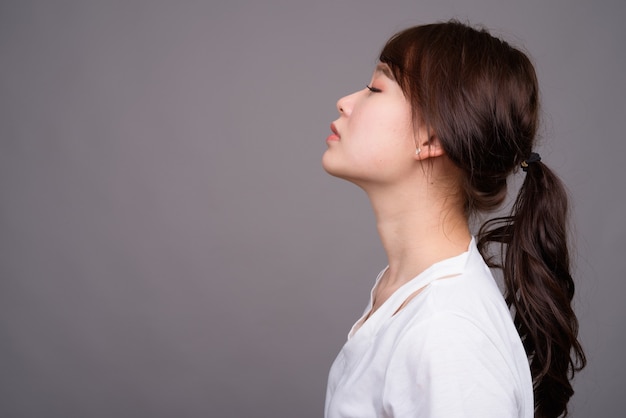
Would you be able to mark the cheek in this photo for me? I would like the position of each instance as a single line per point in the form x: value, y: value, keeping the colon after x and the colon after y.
x: 395, y: 129
x: 379, y: 133
x: 375, y: 123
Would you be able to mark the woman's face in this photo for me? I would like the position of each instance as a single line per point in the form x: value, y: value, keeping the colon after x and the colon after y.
x: 373, y: 139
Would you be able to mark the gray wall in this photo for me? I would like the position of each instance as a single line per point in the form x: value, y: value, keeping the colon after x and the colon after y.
x: 169, y: 244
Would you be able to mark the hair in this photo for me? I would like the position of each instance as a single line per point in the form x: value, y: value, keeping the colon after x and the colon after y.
x: 479, y: 96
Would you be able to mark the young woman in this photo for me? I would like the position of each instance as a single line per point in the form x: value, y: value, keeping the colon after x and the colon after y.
x: 449, y: 114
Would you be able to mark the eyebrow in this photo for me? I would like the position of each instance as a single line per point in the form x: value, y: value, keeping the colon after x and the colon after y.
x: 384, y: 68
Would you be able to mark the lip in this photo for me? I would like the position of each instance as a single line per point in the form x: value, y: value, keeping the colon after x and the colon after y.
x: 335, y: 134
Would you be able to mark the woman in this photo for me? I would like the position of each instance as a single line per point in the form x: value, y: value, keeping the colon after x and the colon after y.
x: 449, y: 114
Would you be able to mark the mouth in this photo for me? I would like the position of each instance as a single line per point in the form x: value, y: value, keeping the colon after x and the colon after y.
x: 335, y: 134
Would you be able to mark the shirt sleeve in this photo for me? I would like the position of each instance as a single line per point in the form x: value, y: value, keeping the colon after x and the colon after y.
x: 447, y: 367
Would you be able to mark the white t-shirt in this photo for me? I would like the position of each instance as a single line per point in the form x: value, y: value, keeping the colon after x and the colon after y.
x: 451, y: 351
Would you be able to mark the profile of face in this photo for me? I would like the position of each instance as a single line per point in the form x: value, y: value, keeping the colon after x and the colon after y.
x: 374, y: 139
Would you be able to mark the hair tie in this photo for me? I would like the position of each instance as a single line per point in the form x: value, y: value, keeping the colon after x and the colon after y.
x: 533, y: 158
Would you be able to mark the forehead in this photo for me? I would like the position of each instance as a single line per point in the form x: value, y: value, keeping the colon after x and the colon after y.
x: 383, y: 69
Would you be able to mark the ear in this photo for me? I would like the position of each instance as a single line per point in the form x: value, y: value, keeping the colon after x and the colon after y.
x: 429, y: 148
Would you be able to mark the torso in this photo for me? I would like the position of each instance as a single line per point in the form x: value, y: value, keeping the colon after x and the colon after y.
x: 395, y: 361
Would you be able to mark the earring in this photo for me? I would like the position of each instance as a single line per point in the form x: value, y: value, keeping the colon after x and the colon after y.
x: 417, y: 151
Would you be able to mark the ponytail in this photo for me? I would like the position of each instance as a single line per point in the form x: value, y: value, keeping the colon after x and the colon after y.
x: 539, y: 286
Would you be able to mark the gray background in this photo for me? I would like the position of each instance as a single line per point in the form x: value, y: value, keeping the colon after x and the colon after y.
x: 169, y: 244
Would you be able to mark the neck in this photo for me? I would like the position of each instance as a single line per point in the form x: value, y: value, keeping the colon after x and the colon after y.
x: 417, y: 230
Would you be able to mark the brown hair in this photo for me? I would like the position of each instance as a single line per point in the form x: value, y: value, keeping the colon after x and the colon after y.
x: 480, y: 97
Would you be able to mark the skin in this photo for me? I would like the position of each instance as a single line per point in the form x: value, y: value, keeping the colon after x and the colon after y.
x: 416, y: 197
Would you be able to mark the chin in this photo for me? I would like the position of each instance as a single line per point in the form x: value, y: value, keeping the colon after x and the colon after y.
x: 331, y: 166
x: 327, y: 163
x: 337, y: 167
x: 341, y: 174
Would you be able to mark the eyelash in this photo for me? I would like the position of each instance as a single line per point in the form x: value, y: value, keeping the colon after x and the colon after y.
x: 373, y: 89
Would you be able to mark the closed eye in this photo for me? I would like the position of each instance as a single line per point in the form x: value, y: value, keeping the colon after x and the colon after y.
x: 374, y: 89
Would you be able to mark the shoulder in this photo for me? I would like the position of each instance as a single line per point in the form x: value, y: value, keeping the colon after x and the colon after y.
x: 448, y: 336
x: 472, y: 295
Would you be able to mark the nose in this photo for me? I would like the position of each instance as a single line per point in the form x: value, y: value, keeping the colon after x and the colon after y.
x: 340, y: 105
x: 344, y: 105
